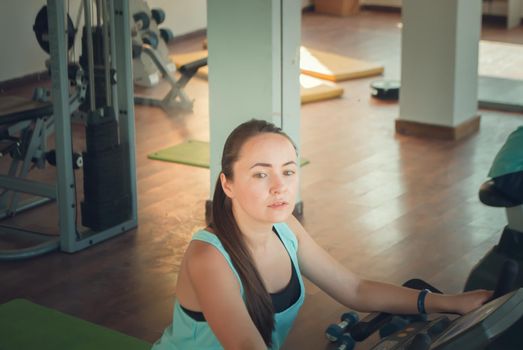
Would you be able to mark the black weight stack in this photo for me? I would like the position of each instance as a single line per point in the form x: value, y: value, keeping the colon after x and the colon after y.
x: 99, y: 69
x: 107, y: 202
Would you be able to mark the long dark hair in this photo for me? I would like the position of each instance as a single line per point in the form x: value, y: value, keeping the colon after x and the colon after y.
x: 257, y: 298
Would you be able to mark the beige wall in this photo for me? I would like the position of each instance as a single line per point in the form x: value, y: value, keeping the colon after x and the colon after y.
x: 22, y: 56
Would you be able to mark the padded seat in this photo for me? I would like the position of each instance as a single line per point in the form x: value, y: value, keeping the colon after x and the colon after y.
x: 14, y: 109
x: 490, y: 195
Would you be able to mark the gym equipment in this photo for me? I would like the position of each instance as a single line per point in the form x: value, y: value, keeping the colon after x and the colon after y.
x: 474, y: 330
x: 42, y: 34
x: 107, y: 200
x: 78, y: 160
x: 26, y: 325
x: 335, y: 331
x: 142, y: 20
x: 158, y: 15
x: 395, y: 324
x: 374, y: 321
x: 385, y: 89
x: 176, y: 97
x: 166, y: 34
x: 504, y: 192
x: 182, y: 59
x: 151, y: 38
x: 146, y: 72
x: 333, y: 67
x: 72, y: 88
x: 25, y: 126
x: 346, y: 342
x: 151, y: 60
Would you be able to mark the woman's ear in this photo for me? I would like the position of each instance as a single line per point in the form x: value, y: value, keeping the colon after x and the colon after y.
x: 226, y: 186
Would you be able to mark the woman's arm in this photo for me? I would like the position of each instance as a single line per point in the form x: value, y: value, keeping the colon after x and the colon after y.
x: 365, y: 295
x: 218, y: 293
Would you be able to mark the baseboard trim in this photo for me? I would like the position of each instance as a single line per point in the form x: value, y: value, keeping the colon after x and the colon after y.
x: 381, y: 8
x: 199, y: 33
x: 410, y: 128
x: 308, y: 8
x: 24, y: 80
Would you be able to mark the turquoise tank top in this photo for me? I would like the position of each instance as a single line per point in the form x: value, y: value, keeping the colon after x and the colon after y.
x: 187, y: 334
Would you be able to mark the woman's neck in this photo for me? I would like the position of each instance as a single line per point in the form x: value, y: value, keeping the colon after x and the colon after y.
x: 256, y: 238
x: 256, y: 234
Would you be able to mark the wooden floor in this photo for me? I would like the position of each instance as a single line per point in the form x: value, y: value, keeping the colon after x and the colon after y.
x: 388, y: 207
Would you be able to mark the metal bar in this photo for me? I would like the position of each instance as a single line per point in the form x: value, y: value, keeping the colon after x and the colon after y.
x: 60, y: 91
x: 107, y: 54
x: 36, y: 250
x: 125, y: 96
x: 28, y: 186
x: 25, y: 205
x: 36, y: 140
x: 114, y: 94
x: 90, y: 58
x: 158, y: 63
x: 98, y: 12
x: 149, y: 101
x: 78, y: 18
x: 7, y: 195
x: 90, y: 238
x: 176, y: 86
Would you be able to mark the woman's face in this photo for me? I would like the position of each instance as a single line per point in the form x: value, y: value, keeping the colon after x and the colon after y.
x: 265, y: 180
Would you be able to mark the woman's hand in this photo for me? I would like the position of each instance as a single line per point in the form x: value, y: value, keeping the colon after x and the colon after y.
x: 465, y: 302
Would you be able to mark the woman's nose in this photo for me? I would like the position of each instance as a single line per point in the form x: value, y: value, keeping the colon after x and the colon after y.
x: 278, y: 185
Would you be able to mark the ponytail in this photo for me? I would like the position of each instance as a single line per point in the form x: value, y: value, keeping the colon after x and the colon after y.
x: 257, y: 298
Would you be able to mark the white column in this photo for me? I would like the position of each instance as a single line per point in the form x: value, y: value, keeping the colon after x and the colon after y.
x: 439, y: 66
x: 253, y: 68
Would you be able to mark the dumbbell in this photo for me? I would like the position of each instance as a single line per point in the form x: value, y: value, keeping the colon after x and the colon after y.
x: 346, y: 342
x: 150, y: 38
x: 395, y: 324
x: 415, y: 318
x: 335, y: 331
x: 142, y: 20
x: 158, y: 15
x: 166, y: 34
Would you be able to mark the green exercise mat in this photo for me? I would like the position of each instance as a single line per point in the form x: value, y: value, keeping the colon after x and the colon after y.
x: 191, y: 152
x: 28, y: 326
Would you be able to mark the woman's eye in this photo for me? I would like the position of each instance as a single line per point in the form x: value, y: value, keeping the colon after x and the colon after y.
x: 260, y: 175
x: 289, y: 172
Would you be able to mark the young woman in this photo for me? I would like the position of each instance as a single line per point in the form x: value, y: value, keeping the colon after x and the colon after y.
x: 240, y: 284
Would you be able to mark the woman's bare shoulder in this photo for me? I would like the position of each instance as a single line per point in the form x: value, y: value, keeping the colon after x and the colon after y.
x: 203, y: 258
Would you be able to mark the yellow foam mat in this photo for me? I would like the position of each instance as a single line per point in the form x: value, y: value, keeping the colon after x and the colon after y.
x: 311, y: 89
x: 333, y: 67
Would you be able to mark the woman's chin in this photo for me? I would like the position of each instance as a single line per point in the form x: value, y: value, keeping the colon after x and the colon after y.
x: 281, y: 214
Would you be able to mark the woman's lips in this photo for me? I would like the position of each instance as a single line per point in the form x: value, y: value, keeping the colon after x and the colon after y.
x: 278, y: 205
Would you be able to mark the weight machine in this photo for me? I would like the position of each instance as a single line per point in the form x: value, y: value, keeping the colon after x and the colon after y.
x: 151, y: 61
x: 107, y: 104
